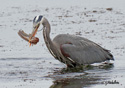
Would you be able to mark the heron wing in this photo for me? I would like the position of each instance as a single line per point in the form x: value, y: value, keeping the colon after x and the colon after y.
x: 84, y: 51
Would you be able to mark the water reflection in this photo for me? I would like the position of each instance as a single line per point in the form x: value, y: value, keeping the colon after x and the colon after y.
x: 82, y: 79
x: 76, y: 82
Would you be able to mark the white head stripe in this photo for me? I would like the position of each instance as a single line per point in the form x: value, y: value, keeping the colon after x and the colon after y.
x: 36, y: 18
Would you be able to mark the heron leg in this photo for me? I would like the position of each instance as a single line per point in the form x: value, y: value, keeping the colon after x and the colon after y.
x: 72, y: 65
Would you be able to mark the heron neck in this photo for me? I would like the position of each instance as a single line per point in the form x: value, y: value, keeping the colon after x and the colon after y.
x: 47, y: 27
x: 46, y: 32
x: 47, y: 39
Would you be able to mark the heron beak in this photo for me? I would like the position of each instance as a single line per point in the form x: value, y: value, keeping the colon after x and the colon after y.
x: 35, y: 29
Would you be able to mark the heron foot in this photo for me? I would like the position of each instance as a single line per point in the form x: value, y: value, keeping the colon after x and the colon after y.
x: 78, y: 68
x: 81, y: 68
x: 106, y: 65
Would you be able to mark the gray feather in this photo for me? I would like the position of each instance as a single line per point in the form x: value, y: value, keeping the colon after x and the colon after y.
x: 82, y: 50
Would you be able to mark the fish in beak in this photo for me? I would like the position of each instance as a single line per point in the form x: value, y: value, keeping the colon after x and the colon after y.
x: 27, y: 37
x: 35, y: 29
x: 30, y: 37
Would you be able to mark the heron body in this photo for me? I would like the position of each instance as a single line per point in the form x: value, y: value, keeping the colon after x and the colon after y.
x: 70, y: 49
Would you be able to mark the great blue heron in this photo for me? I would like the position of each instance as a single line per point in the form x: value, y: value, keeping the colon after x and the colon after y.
x: 70, y: 49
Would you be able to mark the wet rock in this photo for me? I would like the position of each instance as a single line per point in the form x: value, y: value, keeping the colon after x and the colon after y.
x: 92, y: 20
x: 94, y: 11
x: 109, y: 9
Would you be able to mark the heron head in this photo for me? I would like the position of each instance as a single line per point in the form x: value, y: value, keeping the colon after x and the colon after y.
x: 36, y: 23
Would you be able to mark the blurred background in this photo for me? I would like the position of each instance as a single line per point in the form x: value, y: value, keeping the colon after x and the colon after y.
x: 23, y: 66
